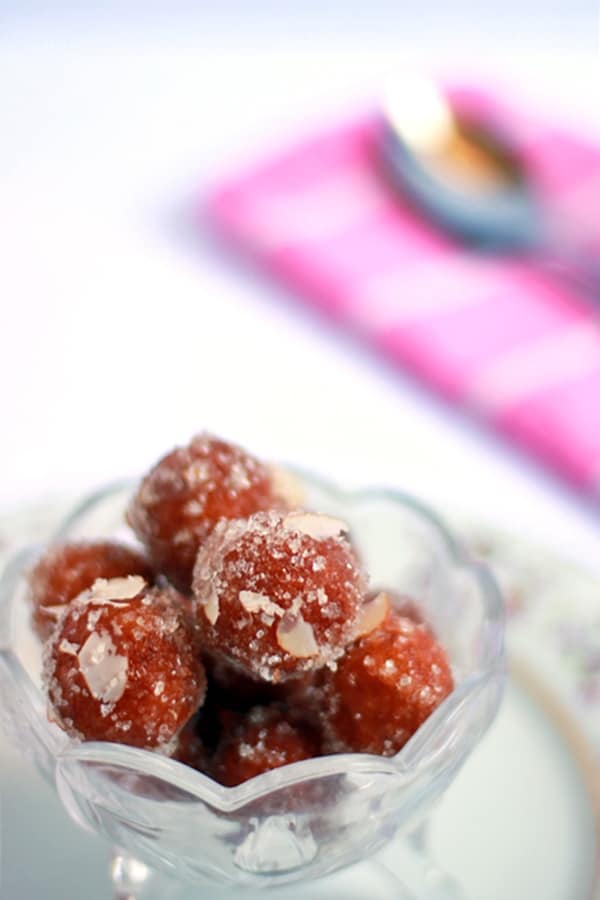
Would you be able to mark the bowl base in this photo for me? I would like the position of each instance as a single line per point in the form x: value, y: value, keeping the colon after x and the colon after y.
x: 418, y: 881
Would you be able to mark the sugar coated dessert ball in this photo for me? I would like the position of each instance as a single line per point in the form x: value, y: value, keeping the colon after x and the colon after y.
x: 65, y: 570
x: 384, y: 687
x: 123, y: 665
x: 189, y: 490
x: 278, y: 593
x: 265, y: 738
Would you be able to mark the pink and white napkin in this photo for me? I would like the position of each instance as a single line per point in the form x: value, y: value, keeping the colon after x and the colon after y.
x: 497, y: 336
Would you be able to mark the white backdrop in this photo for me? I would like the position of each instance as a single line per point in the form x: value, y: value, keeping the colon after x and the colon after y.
x: 124, y: 329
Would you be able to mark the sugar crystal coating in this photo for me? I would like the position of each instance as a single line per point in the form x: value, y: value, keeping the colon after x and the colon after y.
x: 65, y: 570
x: 188, y: 491
x: 278, y: 593
x: 265, y: 738
x: 123, y: 665
x: 384, y: 688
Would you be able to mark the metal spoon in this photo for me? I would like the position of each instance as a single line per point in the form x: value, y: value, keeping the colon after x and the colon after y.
x: 469, y: 179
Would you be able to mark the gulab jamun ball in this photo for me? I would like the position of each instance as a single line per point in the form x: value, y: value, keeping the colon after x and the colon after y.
x: 385, y: 686
x: 278, y: 594
x: 123, y: 665
x: 65, y: 570
x: 189, y: 490
x: 265, y: 738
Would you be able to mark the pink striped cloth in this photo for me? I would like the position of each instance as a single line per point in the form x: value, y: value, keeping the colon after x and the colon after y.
x: 494, y: 335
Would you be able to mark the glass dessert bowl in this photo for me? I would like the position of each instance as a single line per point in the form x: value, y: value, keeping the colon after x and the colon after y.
x: 304, y: 820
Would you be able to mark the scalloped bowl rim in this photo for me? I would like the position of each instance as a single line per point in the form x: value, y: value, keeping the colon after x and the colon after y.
x: 202, y: 787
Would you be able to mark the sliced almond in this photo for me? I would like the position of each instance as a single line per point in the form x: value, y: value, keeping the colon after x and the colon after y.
x: 287, y: 487
x: 211, y: 605
x: 253, y: 602
x: 316, y: 525
x: 52, y: 715
x: 54, y: 612
x: 66, y: 646
x: 107, y: 590
x: 372, y: 613
x: 104, y: 671
x: 297, y: 638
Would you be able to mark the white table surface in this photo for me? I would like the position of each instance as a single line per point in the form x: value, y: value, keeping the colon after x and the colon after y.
x: 123, y: 329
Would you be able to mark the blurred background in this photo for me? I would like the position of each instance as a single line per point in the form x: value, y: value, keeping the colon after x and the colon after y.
x: 126, y: 326
x: 124, y: 331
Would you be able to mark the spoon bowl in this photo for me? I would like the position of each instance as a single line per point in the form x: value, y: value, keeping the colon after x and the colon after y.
x: 462, y: 173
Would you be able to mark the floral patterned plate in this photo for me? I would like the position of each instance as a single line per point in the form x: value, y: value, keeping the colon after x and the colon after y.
x: 521, y: 821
